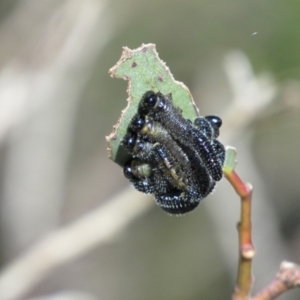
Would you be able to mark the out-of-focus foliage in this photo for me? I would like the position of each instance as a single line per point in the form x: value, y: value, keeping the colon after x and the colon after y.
x: 57, y: 104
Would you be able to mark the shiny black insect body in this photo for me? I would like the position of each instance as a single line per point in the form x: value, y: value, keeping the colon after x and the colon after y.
x: 162, y: 109
x: 189, y: 173
x: 158, y: 155
x: 146, y: 178
x: 170, y: 152
x: 167, y: 197
x: 174, y: 159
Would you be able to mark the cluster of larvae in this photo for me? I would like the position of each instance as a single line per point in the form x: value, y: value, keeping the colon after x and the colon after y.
x: 176, y: 160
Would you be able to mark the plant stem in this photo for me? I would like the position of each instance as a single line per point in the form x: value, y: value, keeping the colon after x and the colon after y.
x: 246, y: 249
x: 287, y: 278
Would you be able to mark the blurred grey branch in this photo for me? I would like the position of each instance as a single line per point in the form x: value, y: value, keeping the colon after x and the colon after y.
x: 251, y: 94
x: 69, y: 242
x: 41, y: 87
x: 40, y: 90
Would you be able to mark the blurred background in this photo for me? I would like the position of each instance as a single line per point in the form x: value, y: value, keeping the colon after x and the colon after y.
x: 240, y: 60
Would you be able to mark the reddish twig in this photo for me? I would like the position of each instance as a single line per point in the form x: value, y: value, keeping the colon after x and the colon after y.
x: 246, y: 249
x: 287, y: 278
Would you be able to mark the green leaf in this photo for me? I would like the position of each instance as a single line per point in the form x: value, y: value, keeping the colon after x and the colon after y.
x: 230, y: 160
x: 144, y: 71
